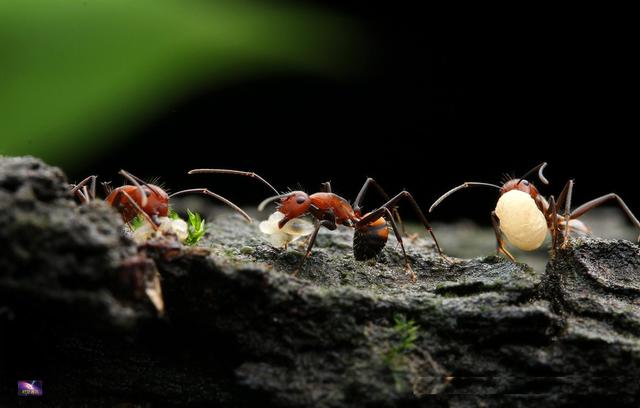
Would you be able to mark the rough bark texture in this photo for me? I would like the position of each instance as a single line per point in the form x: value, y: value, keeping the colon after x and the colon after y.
x: 238, y: 328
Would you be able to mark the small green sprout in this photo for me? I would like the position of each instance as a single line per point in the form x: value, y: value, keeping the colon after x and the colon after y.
x: 196, y: 228
x: 137, y: 222
x: 173, y: 215
x: 406, y: 334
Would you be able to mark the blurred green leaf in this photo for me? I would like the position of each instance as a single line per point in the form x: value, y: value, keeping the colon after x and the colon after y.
x: 72, y: 72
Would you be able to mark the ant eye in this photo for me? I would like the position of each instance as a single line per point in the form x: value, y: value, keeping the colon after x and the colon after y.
x: 300, y: 199
x: 525, y: 182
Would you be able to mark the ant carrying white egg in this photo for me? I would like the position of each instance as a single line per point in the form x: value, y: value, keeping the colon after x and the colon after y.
x: 523, y: 216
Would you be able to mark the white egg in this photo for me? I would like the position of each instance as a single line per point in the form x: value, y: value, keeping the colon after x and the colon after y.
x: 522, y: 223
x: 178, y: 227
x: 168, y: 226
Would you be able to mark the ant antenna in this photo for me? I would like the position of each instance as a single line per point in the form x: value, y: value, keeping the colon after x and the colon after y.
x: 540, y: 167
x: 264, y: 203
x: 460, y: 187
x: 236, y: 172
x: 81, y: 190
x: 216, y: 196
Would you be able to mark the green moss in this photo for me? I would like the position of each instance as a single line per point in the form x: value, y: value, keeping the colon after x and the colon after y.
x: 404, y: 339
x: 247, y: 250
x: 196, y: 228
x: 137, y: 222
x: 229, y: 253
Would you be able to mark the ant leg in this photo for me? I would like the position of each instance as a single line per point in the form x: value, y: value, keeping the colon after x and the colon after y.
x: 374, y: 215
x: 236, y: 172
x: 216, y: 196
x: 500, y: 248
x: 134, y: 180
x: 152, y: 189
x: 77, y: 189
x: 83, y: 198
x: 78, y: 193
x: 106, y: 186
x: 324, y: 215
x: 553, y: 213
x: 567, y: 213
x: 563, y: 194
x: 312, y: 241
x: 398, y: 235
x: 85, y: 191
x: 378, y: 187
x: 565, y: 199
x: 133, y: 202
x: 83, y: 183
x: 588, y: 206
x: 92, y: 188
x: 131, y: 177
x: 324, y: 223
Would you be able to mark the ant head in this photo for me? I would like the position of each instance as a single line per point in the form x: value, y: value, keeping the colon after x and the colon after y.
x: 151, y: 199
x: 293, y: 205
x: 524, y: 185
x: 157, y: 201
x: 157, y: 191
x: 519, y: 184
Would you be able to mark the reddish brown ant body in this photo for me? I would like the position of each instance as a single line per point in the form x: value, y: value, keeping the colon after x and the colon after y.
x: 156, y: 203
x: 141, y: 198
x: 524, y: 216
x: 330, y: 210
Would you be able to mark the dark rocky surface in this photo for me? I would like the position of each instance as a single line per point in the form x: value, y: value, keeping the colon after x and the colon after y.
x: 239, y: 329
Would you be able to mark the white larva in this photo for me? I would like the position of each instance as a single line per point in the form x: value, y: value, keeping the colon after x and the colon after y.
x: 521, y: 221
x: 291, y: 231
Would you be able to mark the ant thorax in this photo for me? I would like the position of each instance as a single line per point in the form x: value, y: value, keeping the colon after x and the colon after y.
x: 521, y: 221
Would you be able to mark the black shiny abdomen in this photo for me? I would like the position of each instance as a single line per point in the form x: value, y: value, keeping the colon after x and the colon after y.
x: 369, y: 241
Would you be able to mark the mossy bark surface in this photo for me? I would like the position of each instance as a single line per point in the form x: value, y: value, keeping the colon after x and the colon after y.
x: 239, y: 328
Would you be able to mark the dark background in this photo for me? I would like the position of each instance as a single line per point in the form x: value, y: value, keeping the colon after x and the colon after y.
x: 440, y: 97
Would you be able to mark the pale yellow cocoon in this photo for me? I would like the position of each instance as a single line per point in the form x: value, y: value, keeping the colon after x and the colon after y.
x: 521, y: 222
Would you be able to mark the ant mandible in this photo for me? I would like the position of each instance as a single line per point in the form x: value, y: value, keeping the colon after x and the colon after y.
x: 149, y: 200
x: 524, y: 216
x: 330, y: 210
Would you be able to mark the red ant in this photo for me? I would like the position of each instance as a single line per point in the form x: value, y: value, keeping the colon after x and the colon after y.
x: 330, y: 210
x: 148, y: 200
x: 523, y: 215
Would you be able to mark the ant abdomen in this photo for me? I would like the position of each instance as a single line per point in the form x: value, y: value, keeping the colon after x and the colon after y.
x: 368, y: 241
